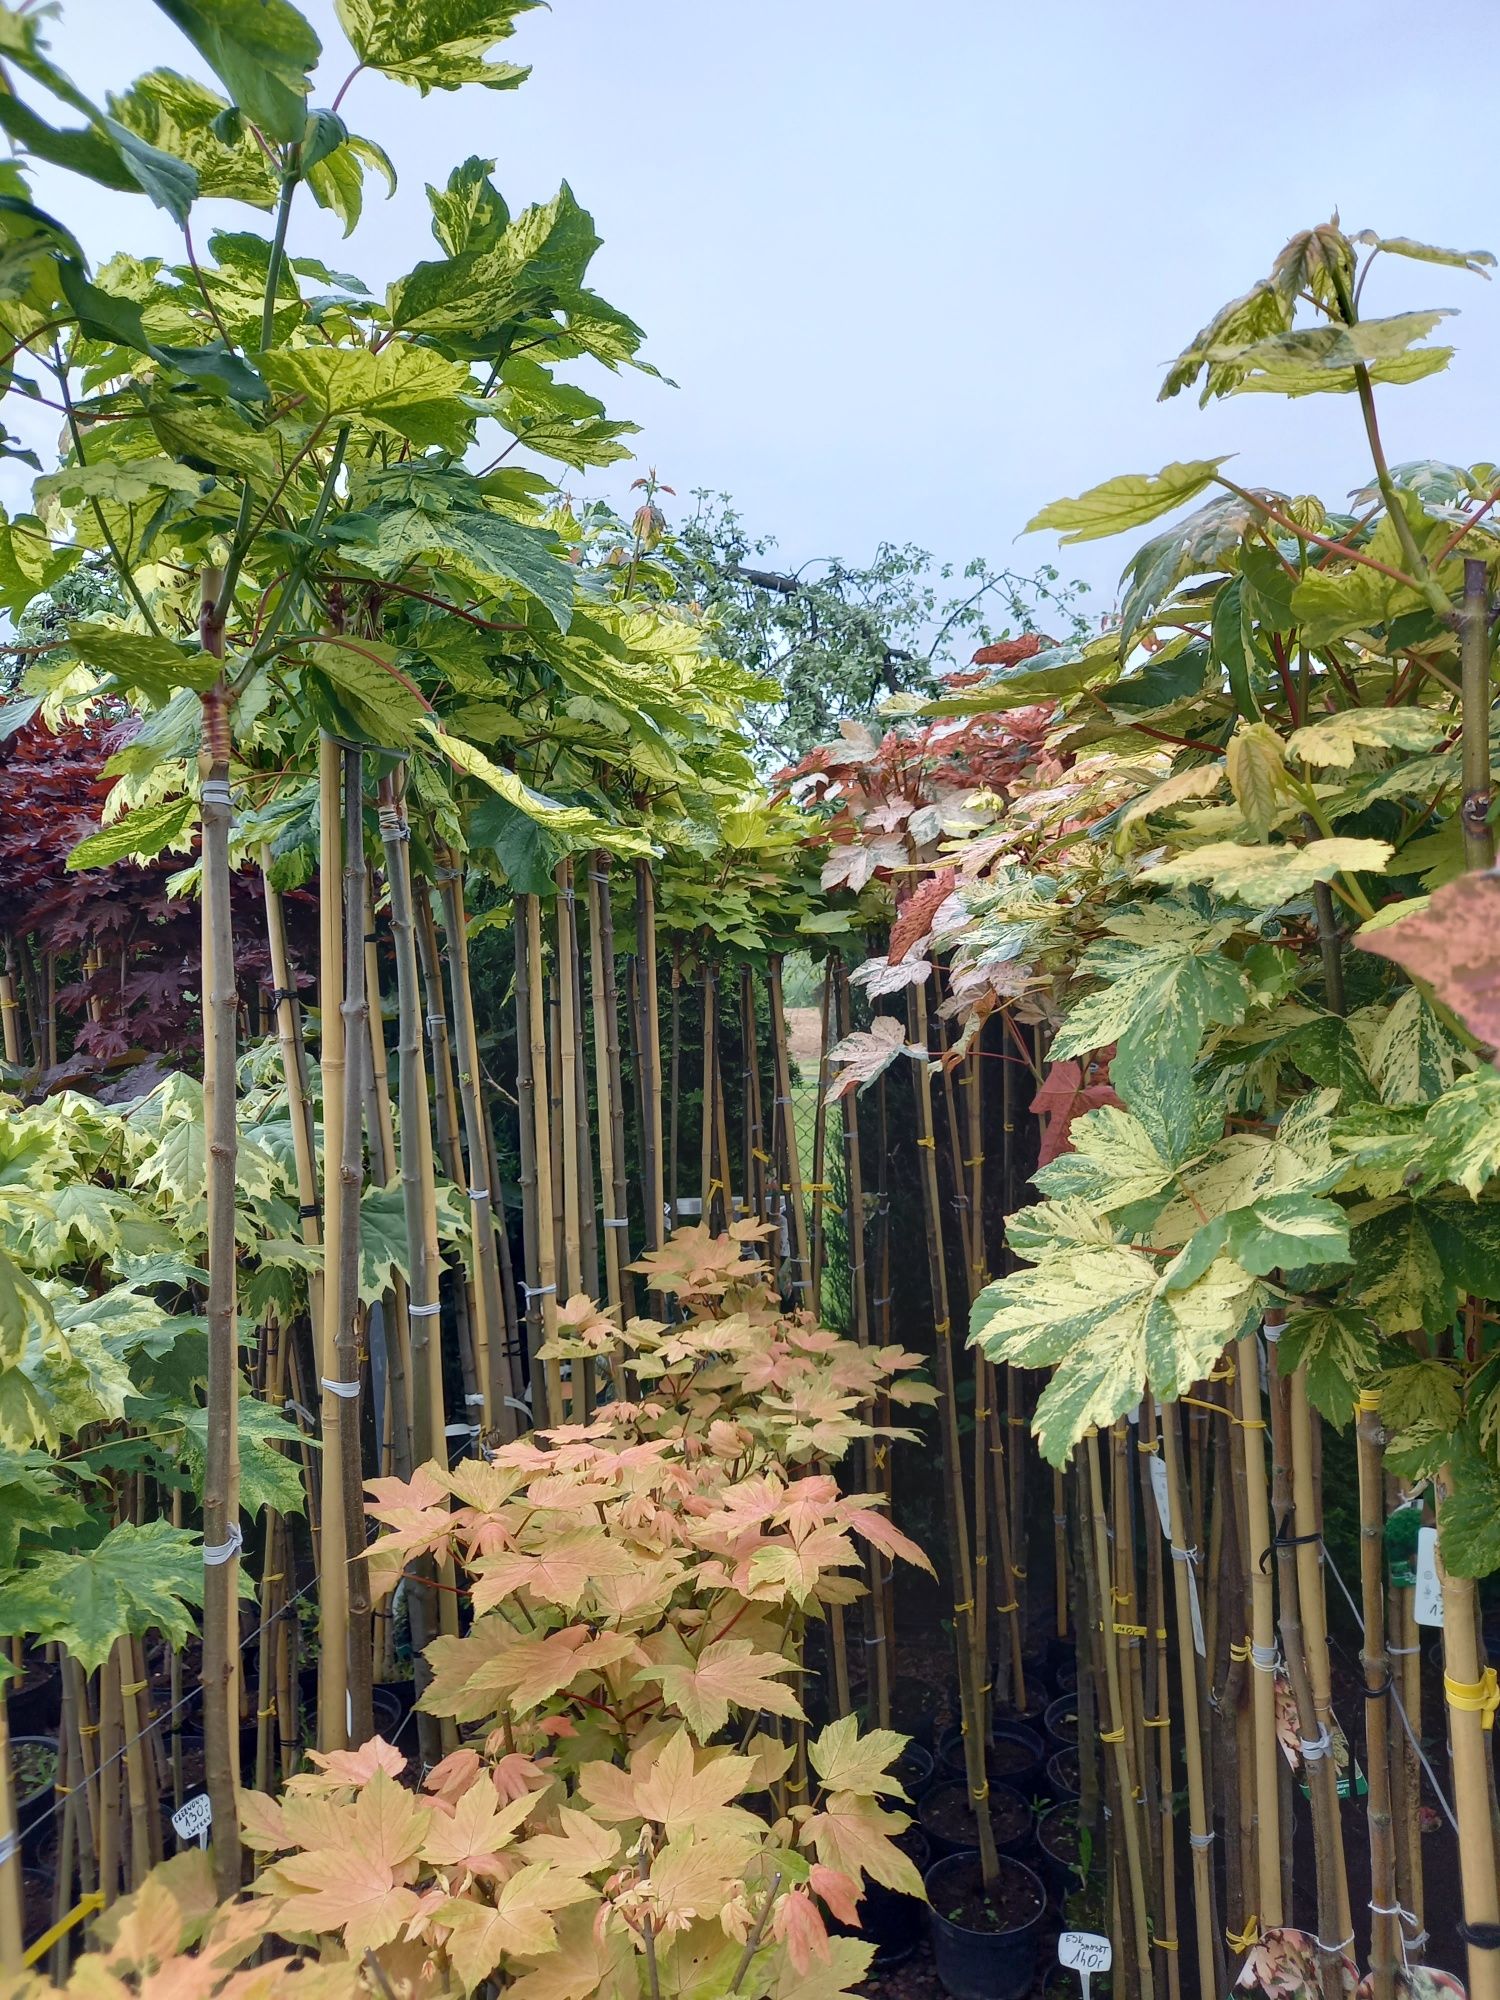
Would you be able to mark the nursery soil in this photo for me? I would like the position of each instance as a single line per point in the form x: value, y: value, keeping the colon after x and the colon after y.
x: 951, y: 1817
x: 1012, y: 1902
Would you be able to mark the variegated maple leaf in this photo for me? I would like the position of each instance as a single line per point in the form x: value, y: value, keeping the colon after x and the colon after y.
x: 726, y: 1673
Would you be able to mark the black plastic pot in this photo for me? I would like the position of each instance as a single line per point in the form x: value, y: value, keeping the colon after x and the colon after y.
x: 914, y: 1709
x: 1015, y: 1756
x: 1010, y: 1815
x: 1062, y: 1778
x: 1061, y: 1722
x: 1056, y: 1867
x: 1062, y: 1665
x: 895, y: 1924
x: 983, y: 1965
x: 391, y: 1702
x: 32, y: 1705
x: 915, y: 1771
x: 34, y: 1804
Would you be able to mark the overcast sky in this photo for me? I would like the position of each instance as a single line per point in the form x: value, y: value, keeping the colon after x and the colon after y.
x: 916, y: 270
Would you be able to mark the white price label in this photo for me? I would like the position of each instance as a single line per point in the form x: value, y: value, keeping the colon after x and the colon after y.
x: 193, y: 1818
x: 1084, y: 1951
x: 1163, y: 1499
x: 1427, y: 1598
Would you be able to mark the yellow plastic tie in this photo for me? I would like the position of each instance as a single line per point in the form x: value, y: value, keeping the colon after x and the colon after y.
x: 1130, y: 1631
x: 928, y: 1142
x: 1016, y: 1570
x: 88, y: 1728
x: 1246, y: 1939
x: 982, y: 1794
x: 1240, y: 1652
x: 84, y: 1907
x: 1119, y: 1596
x: 757, y: 1154
x: 274, y: 1577
x: 1481, y: 1697
x: 130, y: 1688
x: 980, y: 1415
x: 1157, y: 1721
x: 977, y: 1161
x: 1112, y: 1735
x: 1019, y: 1422
x: 796, y: 1784
x: 963, y: 1610
x: 1141, y: 1445
x: 262, y: 1713
x: 1012, y: 1606
x: 1165, y: 1944
x: 1367, y: 1400
x: 943, y: 1327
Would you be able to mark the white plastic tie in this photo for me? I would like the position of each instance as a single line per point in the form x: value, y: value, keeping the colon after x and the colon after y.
x: 425, y: 1312
x: 216, y: 1554
x: 536, y: 1291
x: 1201, y: 1840
x: 215, y: 792
x: 1184, y: 1555
x: 10, y: 1847
x: 616, y: 1222
x: 300, y: 1410
x: 1333, y: 1950
x: 515, y: 1403
x: 347, y: 1390
x: 1265, y: 1658
x: 479, y: 1194
x: 475, y: 1401
x: 1319, y: 1746
x: 460, y: 1430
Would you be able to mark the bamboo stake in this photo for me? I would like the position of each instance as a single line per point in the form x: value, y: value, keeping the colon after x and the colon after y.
x: 1314, y: 1606
x: 10, y: 1019
x: 786, y: 1130
x: 649, y: 1064
x: 568, y: 1031
x: 444, y: 1096
x: 11, y: 1935
x: 381, y: 1126
x: 1158, y: 1720
x: 1116, y: 1736
x: 526, y: 1088
x: 1211, y: 1968
x: 491, y: 1323
x: 1262, y: 1631
x: 614, y: 1221
x: 1385, y: 1935
x: 674, y: 1091
x: 1317, y: 1756
x: 756, y: 1156
x: 341, y: 1384
x: 419, y: 1209
x: 818, y: 1229
x: 221, y: 1494
x: 877, y: 1642
x: 964, y: 1610
x: 333, y: 1589
x: 616, y: 1187
x: 1469, y: 1691
x: 546, y: 1262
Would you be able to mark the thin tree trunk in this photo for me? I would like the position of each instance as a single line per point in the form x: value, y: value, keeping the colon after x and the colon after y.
x: 1263, y: 1652
x: 964, y: 1609
x: 333, y: 1581
x: 221, y: 1499
x: 545, y: 1257
x: 343, y: 1385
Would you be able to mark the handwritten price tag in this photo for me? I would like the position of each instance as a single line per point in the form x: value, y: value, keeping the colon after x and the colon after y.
x: 193, y: 1818
x: 1085, y: 1953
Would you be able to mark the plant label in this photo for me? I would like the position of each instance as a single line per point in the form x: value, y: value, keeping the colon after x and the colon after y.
x: 193, y: 1818
x: 1163, y: 1501
x: 1427, y: 1598
x: 1164, y: 1511
x: 1085, y: 1953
